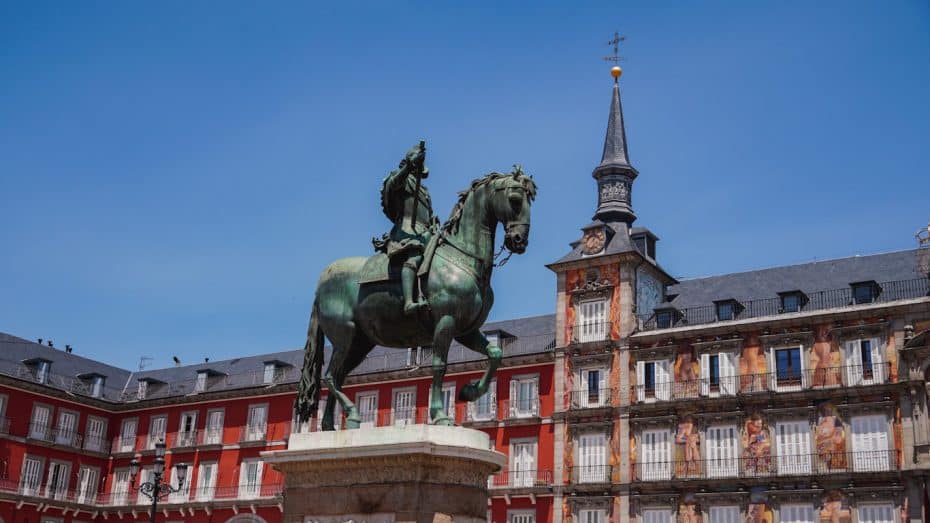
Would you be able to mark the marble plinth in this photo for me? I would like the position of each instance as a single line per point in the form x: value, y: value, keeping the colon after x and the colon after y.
x: 416, y: 473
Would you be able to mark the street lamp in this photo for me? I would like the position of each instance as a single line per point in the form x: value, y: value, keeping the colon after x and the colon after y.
x: 156, y: 489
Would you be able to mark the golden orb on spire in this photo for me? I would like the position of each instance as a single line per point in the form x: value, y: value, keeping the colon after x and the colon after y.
x: 615, y: 71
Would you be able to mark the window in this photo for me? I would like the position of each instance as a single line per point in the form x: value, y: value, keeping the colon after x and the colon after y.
x: 791, y: 301
x: 96, y: 386
x: 718, y: 374
x: 42, y: 370
x: 270, y: 369
x: 651, y: 515
x: 250, y: 479
x: 522, y: 463
x: 448, y: 399
x: 187, y: 431
x: 66, y: 432
x: 87, y: 484
x: 793, y: 447
x: 524, y: 396
x: 485, y: 407
x: 592, y: 320
x: 593, y: 516
x: 656, y: 455
x: 256, y: 426
x: 4, y: 421
x: 337, y: 413
x: 145, y: 474
x: 522, y: 516
x: 213, y: 431
x: 796, y: 514
x: 864, y: 365
x: 722, y: 451
x: 403, y: 407
x: 157, y: 427
x: 96, y: 434
x: 184, y: 490
x: 367, y: 403
x: 207, y: 479
x: 127, y: 435
x: 30, y: 479
x: 119, y: 490
x: 56, y: 484
x: 201, y: 384
x: 788, y: 368
x: 592, y: 391
x: 142, y: 390
x: 870, y: 443
x: 40, y: 426
x: 876, y: 513
x: 724, y: 515
x: 592, y: 459
x: 652, y: 380
x: 726, y: 310
x: 864, y: 292
x: 664, y: 319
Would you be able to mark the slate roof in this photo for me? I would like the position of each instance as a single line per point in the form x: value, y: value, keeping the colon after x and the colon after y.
x: 807, y: 277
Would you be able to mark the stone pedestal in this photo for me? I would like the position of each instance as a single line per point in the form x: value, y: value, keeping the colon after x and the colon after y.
x: 417, y: 473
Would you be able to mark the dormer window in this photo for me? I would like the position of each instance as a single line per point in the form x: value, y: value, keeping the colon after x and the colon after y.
x: 792, y: 301
x: 94, y: 383
x: 864, y: 292
x: 727, y: 309
x: 142, y: 390
x: 665, y: 318
x: 201, y: 384
x: 268, y: 376
x: 40, y: 369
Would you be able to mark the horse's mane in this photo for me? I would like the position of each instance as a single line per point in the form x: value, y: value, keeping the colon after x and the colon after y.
x: 452, y: 224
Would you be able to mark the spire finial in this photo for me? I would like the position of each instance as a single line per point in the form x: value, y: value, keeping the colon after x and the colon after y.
x: 615, y: 71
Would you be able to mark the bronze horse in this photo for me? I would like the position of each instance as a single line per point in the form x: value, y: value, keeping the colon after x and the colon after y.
x: 356, y: 315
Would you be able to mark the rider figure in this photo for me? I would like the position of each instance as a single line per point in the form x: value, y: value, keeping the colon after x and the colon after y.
x: 406, y: 202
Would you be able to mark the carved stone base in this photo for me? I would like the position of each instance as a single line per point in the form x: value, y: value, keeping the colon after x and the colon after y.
x: 417, y: 473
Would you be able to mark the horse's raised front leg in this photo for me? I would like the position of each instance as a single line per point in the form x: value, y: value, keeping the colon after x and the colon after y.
x: 442, y: 338
x: 333, y: 378
x: 476, y: 341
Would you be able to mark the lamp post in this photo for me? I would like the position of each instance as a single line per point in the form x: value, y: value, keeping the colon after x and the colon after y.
x: 156, y: 489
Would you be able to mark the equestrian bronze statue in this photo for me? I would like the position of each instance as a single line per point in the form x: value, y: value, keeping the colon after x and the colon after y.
x: 426, y: 286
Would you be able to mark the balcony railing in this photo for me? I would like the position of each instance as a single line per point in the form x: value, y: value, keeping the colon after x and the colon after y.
x: 591, y: 332
x: 824, y: 463
x: 816, y: 301
x: 521, y: 408
x: 521, y: 479
x: 198, y: 494
x: 210, y: 437
x: 778, y: 381
x: 54, y: 435
x: 183, y: 439
x: 590, y: 474
x: 591, y: 399
x: 121, y: 444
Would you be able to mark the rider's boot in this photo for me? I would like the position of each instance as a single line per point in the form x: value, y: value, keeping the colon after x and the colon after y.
x: 408, y: 280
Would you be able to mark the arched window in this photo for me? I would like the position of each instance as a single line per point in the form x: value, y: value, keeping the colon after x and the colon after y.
x: 241, y: 518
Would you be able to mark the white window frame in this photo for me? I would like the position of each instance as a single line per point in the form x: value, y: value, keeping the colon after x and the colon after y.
x: 517, y: 407
x: 404, y: 415
x: 269, y: 372
x: 852, y: 350
x: 256, y: 430
x: 200, y: 383
x: 727, y: 373
x: 187, y: 438
x: 363, y: 400
x: 723, y: 514
x: 95, y: 442
x: 128, y: 446
x: 656, y: 515
x: 592, y: 515
x: 36, y: 475
x: 59, y: 490
x: 662, y: 380
x: 773, y: 365
x: 213, y: 435
x: 142, y: 390
x: 153, y: 435
x: 67, y: 435
x: 205, y: 490
x: 788, y: 512
x: 794, y: 463
x: 41, y: 429
x: 865, y: 510
x: 489, y: 397
x: 523, y: 474
x: 182, y: 494
x: 656, y: 462
x: 119, y: 488
x: 592, y: 320
x: 249, y: 490
x: 722, y: 457
x: 871, y: 450
x: 583, y: 396
x: 521, y: 516
x: 592, y: 456
x: 88, y: 483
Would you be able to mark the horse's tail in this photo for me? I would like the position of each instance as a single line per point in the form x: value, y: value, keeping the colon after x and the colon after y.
x: 308, y: 393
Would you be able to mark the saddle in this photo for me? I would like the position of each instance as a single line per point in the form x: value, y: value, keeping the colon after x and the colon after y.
x: 380, y: 269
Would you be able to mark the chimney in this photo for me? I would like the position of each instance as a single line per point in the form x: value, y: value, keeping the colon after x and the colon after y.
x: 68, y: 349
x: 177, y: 361
x: 40, y: 341
x: 206, y: 360
x: 50, y: 344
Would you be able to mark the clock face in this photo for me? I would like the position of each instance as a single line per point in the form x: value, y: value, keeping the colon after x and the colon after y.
x: 593, y: 241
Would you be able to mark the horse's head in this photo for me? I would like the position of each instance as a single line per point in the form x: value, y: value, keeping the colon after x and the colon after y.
x: 510, y: 203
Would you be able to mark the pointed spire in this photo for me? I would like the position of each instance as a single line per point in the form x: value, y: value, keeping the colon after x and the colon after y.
x: 614, y: 174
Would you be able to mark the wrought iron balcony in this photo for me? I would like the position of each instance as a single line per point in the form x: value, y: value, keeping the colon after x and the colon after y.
x: 824, y: 463
x: 270, y: 490
x: 789, y: 380
x: 591, y: 399
x: 121, y: 444
x: 53, y: 435
x: 183, y: 439
x: 816, y: 301
x: 253, y: 433
x: 210, y: 437
x: 591, y: 332
x: 590, y: 474
x: 520, y: 479
x: 521, y: 408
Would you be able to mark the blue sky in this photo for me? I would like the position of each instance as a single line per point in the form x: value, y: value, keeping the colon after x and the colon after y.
x: 175, y: 175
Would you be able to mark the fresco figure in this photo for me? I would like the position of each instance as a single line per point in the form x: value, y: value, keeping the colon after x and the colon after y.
x: 752, y: 369
x: 689, y: 513
x: 830, y: 438
x: 833, y: 510
x: 826, y: 365
x: 687, y: 375
x: 688, y: 451
x: 759, y: 513
x: 757, y: 446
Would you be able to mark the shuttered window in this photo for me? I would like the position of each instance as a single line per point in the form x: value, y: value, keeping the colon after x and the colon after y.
x: 485, y: 407
x: 651, y: 515
x: 718, y: 374
x: 96, y: 434
x: 119, y: 490
x: 870, y: 443
x: 593, y: 516
x: 522, y: 517
x: 864, y: 364
x: 875, y: 513
x: 722, y: 451
x: 653, y: 380
x: 367, y: 403
x: 523, y: 463
x: 656, y: 455
x: 250, y: 479
x: 793, y: 446
x: 592, y: 458
x: 592, y: 321
x: 403, y: 407
x: 127, y: 435
x: 796, y: 514
x: 31, y: 477
x: 723, y: 515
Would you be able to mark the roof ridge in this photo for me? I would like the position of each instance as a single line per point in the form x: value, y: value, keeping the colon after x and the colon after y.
x: 773, y: 267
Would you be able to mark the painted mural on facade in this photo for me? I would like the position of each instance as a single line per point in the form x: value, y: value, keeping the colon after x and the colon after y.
x: 686, y: 373
x: 689, y: 512
x: 599, y: 277
x: 835, y: 508
x: 687, y: 448
x: 649, y: 291
x: 757, y: 445
x: 752, y: 366
x: 634, y: 456
x: 825, y: 359
x: 830, y: 437
x: 891, y: 356
x: 759, y: 513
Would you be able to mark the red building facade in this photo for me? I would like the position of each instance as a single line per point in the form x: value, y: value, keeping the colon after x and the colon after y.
x: 795, y: 394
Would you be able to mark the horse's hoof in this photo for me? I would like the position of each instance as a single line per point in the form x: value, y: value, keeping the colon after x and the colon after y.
x: 444, y: 421
x: 469, y: 392
x: 353, y: 423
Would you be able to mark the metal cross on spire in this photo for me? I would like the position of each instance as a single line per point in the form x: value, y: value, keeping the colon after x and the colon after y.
x: 615, y: 42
